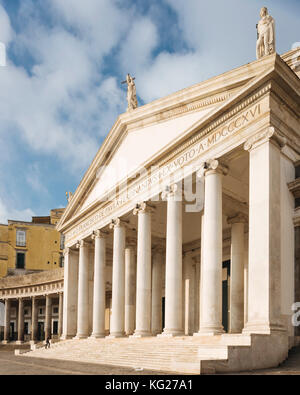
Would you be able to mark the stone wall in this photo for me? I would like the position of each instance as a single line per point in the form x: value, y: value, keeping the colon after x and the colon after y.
x: 32, y: 279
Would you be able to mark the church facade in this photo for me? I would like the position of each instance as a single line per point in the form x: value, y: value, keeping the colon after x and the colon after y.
x: 186, y: 224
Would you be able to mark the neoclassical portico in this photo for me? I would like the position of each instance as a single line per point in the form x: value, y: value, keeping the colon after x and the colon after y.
x: 189, y: 239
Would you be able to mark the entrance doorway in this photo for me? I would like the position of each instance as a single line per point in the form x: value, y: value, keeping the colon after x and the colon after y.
x: 12, y: 331
x: 41, y: 331
x: 225, y: 294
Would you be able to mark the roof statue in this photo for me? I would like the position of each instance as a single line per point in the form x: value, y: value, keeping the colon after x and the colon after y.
x: 69, y: 196
x: 131, y: 93
x: 266, y: 34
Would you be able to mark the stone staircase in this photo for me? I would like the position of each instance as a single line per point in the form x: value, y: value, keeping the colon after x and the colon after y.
x: 183, y: 355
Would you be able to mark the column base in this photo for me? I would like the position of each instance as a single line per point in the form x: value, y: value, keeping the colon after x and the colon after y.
x: 80, y: 337
x: 5, y: 341
x: 263, y: 329
x: 139, y: 334
x: 32, y: 342
x: 171, y: 333
x: 97, y: 336
x: 19, y: 342
x: 115, y: 335
x: 210, y: 330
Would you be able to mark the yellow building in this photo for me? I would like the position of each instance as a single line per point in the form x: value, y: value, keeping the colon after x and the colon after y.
x: 26, y: 247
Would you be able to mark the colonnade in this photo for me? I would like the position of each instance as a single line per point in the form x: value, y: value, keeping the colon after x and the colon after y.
x: 144, y: 282
x: 35, y: 302
x: 137, y: 284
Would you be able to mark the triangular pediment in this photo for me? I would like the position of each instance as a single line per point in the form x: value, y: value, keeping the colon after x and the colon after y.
x: 141, y: 136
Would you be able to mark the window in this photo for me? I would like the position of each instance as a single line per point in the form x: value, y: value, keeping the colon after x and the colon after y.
x: 20, y: 264
x: 55, y: 310
x: 61, y: 261
x: 26, y: 328
x: 21, y: 238
x: 62, y: 241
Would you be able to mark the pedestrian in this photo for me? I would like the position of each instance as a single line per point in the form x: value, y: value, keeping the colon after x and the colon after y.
x: 47, y: 345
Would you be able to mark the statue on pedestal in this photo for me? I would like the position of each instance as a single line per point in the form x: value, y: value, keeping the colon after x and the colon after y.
x: 131, y: 93
x: 266, y: 35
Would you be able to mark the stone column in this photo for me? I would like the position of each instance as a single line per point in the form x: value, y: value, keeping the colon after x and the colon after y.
x: 297, y: 269
x: 236, y: 318
x: 60, y: 313
x: 99, y: 301
x: 143, y: 281
x: 130, y: 287
x: 188, y: 295
x: 264, y: 266
x: 117, y: 327
x: 34, y: 320
x: 83, y: 291
x: 211, y: 265
x: 20, y: 322
x: 157, y: 268
x: 48, y: 316
x: 70, y: 293
x: 173, y: 298
x: 7, y: 321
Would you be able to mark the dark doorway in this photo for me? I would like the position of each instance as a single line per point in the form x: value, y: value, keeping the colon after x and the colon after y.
x: 55, y: 327
x: 41, y: 331
x: 20, y: 260
x: 12, y: 331
x: 225, y: 301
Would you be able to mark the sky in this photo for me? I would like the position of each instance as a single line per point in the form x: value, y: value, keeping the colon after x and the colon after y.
x: 61, y: 92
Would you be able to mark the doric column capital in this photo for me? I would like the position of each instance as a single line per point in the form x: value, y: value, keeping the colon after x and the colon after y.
x: 171, y: 191
x: 267, y: 135
x: 212, y: 165
x: 98, y: 234
x: 81, y: 244
x: 117, y: 223
x: 239, y: 218
x: 143, y: 207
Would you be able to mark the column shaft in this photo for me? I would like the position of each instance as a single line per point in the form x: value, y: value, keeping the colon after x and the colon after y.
x: 173, y: 299
x: 21, y: 321
x: 130, y: 290
x: 70, y: 293
x: 143, y: 283
x: 157, y: 267
x: 264, y: 266
x: 83, y: 292
x: 34, y: 319
x: 48, y: 316
x: 118, y: 282
x: 60, y: 314
x: 236, y: 319
x: 211, y: 265
x: 99, y: 286
x: 7, y: 320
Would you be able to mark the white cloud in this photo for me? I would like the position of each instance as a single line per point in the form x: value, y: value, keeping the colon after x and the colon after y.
x: 7, y: 213
x: 6, y: 32
x: 136, y: 50
x: 168, y: 73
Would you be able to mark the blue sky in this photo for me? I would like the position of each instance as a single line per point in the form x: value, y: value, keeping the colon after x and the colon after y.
x: 60, y: 91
